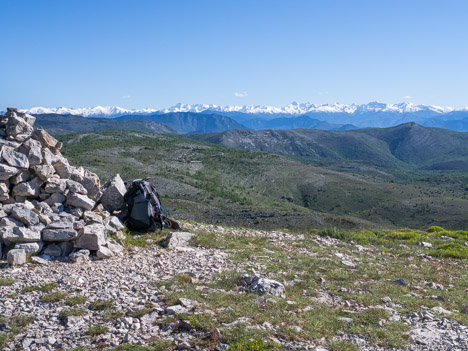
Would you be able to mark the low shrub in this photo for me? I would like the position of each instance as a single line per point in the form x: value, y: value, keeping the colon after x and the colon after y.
x: 435, y: 229
x: 453, y: 250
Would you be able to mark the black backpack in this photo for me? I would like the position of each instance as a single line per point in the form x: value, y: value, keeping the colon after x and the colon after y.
x: 142, y: 208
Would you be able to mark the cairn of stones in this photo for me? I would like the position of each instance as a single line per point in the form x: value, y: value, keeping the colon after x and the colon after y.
x: 48, y: 208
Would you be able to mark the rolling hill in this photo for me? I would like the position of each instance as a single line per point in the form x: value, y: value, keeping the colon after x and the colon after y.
x: 57, y: 124
x: 188, y: 122
x: 216, y: 184
x: 284, y: 123
x: 408, y: 145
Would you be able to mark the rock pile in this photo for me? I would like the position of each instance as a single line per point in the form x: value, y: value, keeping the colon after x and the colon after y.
x: 48, y: 206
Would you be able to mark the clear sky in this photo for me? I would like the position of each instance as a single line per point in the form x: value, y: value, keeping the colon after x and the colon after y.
x: 135, y: 54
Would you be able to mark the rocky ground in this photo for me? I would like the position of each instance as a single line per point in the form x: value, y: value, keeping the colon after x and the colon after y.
x: 299, y: 292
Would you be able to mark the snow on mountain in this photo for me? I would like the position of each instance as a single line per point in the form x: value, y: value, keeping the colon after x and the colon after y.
x: 98, y: 111
x: 296, y: 108
x: 293, y: 108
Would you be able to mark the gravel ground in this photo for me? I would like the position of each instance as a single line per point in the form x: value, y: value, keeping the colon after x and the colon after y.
x: 127, y: 281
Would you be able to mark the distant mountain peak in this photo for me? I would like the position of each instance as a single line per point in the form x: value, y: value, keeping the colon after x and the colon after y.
x: 294, y: 108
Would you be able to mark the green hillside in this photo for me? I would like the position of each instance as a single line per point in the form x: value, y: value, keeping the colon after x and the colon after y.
x: 408, y: 145
x: 188, y: 122
x: 218, y: 184
x: 65, y: 124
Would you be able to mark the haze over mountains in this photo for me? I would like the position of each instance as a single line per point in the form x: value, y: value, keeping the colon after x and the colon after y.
x: 408, y: 145
x: 295, y: 115
x: 188, y: 122
x: 66, y: 124
x: 292, y: 165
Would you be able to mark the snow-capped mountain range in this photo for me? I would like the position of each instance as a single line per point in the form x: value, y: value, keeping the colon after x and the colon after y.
x: 292, y: 109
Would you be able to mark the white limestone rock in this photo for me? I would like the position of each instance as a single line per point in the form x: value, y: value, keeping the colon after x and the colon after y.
x: 63, y: 169
x: 76, y: 187
x: 34, y: 149
x: 91, y: 237
x: 6, y: 171
x: 28, y: 189
x: 24, y: 215
x: 16, y: 126
x: 55, y: 186
x: 21, y: 177
x: 30, y: 248
x: 16, y: 257
x: 44, y: 171
x: 64, y: 234
x: 21, y: 235
x: 80, y: 256
x: 15, y: 159
x: 112, y: 196
x: 104, y: 252
x: 4, y: 192
x: 177, y: 239
x: 81, y: 201
x: 262, y: 285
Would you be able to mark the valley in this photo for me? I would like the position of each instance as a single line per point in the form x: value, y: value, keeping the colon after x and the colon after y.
x: 218, y: 184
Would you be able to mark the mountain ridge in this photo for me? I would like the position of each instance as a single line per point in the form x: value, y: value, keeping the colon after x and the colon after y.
x: 187, y: 122
x: 408, y: 145
x: 332, y: 116
x: 293, y: 108
x: 59, y: 124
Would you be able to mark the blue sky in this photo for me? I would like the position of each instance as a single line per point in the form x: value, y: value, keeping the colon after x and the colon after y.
x: 155, y: 54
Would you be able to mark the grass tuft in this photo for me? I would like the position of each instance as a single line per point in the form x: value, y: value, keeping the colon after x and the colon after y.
x: 22, y: 321
x: 54, y: 297
x: 101, y: 305
x: 6, y: 281
x: 75, y: 311
x: 75, y: 300
x: 97, y: 329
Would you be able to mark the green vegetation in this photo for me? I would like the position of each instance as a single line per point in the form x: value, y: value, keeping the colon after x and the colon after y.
x: 437, y: 237
x: 59, y: 124
x: 158, y: 345
x: 97, y: 329
x: 76, y: 311
x: 75, y: 300
x: 342, y: 346
x: 46, y: 287
x: 4, y: 337
x: 101, y: 305
x: 138, y: 239
x: 54, y: 297
x: 453, y: 249
x: 140, y: 312
x: 391, y: 334
x: 312, y: 271
x: 6, y: 281
x: 21, y: 321
x: 212, y: 183
x: 253, y: 345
